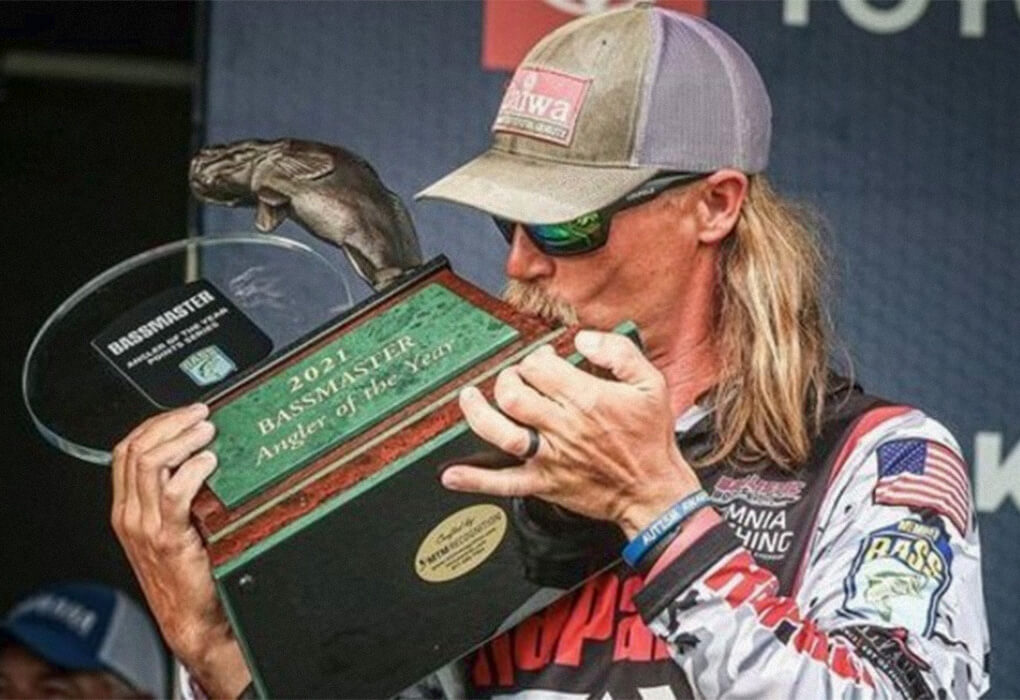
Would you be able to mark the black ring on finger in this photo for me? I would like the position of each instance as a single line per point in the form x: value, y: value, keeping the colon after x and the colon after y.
x: 534, y: 442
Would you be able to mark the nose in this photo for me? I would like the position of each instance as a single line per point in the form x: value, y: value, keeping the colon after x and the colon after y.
x: 525, y: 262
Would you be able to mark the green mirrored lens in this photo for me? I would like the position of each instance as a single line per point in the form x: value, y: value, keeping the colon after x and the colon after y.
x: 582, y: 233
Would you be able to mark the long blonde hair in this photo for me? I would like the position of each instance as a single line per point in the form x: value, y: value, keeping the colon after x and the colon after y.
x: 773, y: 333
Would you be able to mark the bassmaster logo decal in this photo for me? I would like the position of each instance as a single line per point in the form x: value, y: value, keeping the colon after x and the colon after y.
x: 756, y: 491
x: 899, y: 574
x: 207, y: 366
x: 542, y: 104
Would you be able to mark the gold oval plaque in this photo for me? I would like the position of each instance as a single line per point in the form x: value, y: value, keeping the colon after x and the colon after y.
x: 460, y: 543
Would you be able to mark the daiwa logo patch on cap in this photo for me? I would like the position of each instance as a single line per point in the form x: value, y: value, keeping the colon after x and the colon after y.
x: 542, y: 104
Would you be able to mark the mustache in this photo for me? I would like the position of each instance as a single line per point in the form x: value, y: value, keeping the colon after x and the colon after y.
x: 530, y: 298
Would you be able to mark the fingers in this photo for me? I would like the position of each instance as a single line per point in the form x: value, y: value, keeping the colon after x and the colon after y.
x: 522, y: 402
x: 151, y: 433
x: 558, y: 379
x: 180, y: 490
x: 130, y: 457
x: 507, y: 483
x: 154, y: 464
x: 619, y: 355
x: 120, y: 461
x: 167, y: 425
x: 493, y: 426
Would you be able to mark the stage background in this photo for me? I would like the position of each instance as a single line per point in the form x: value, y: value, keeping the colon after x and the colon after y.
x: 95, y: 124
x: 896, y: 120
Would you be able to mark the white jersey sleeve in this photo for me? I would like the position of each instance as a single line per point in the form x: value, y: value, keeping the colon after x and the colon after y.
x: 888, y: 602
x: 185, y: 687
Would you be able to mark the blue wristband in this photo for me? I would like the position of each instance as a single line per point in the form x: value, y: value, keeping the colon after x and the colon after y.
x: 666, y: 523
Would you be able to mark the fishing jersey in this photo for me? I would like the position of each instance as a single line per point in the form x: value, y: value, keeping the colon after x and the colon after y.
x: 856, y: 576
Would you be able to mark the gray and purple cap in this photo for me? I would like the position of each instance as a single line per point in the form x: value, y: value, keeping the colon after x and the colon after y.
x: 606, y: 102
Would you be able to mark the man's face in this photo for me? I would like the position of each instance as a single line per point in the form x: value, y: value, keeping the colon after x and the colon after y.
x: 25, y: 675
x: 643, y: 273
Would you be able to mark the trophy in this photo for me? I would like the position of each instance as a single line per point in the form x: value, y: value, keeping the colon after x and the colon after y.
x: 344, y: 566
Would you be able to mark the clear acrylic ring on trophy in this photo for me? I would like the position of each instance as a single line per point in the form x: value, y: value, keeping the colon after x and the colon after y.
x: 180, y: 323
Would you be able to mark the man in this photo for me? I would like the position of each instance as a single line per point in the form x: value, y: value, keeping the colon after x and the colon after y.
x: 841, y: 557
x: 80, y: 640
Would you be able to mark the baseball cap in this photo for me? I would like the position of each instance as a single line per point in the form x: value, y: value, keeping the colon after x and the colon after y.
x: 90, y: 627
x: 607, y: 101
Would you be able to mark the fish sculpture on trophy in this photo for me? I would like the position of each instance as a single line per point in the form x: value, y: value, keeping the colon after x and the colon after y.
x: 328, y: 190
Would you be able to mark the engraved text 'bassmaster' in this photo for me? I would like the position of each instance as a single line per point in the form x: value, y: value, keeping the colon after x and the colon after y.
x: 160, y: 322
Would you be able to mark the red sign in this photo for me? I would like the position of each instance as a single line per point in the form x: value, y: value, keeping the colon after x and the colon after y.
x: 512, y: 27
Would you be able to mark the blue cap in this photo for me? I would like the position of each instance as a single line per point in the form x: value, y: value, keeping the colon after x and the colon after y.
x: 90, y: 627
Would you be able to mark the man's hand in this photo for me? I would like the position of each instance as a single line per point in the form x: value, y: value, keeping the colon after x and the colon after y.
x: 606, y: 448
x: 156, y: 475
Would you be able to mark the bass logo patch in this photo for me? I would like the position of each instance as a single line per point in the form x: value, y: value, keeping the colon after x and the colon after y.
x: 900, y: 574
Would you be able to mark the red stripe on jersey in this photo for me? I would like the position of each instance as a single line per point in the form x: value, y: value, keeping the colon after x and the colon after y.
x: 864, y: 425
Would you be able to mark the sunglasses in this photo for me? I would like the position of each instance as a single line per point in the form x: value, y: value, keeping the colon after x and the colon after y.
x: 591, y: 231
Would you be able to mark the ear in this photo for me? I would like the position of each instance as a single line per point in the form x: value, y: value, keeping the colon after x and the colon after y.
x: 721, y: 197
x: 271, y: 209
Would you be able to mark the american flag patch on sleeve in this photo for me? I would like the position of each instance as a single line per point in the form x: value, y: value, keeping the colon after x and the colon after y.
x: 924, y: 474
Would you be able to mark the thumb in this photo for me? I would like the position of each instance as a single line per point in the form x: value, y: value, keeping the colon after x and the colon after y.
x: 617, y: 353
